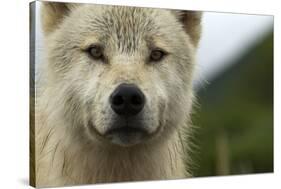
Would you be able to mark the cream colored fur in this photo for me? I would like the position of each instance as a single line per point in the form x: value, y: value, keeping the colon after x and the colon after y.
x: 73, y: 89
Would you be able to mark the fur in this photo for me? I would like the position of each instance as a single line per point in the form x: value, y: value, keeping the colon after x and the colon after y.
x: 73, y: 89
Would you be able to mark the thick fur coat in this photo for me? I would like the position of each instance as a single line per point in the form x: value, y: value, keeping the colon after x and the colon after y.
x: 72, y: 111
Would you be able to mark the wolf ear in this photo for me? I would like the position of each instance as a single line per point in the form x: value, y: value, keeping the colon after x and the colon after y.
x: 53, y: 13
x: 191, y: 21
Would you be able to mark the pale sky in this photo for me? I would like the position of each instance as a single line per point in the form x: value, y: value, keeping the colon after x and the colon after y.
x: 225, y: 37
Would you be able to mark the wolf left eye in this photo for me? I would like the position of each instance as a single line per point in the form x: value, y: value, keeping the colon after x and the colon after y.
x: 157, y: 55
x: 96, y: 51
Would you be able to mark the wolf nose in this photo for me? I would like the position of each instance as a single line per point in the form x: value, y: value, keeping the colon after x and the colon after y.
x: 127, y: 100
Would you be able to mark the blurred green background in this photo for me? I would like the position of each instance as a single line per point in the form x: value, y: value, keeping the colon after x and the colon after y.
x: 234, y: 118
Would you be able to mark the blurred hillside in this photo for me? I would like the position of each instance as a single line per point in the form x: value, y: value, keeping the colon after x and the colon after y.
x: 235, y: 117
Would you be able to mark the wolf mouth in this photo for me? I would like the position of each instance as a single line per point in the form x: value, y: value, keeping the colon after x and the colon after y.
x: 127, y: 130
x: 124, y: 135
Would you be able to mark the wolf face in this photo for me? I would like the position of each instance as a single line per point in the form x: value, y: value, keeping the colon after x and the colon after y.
x: 123, y: 74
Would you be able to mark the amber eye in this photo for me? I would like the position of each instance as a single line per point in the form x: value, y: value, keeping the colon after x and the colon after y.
x: 157, y: 55
x: 96, y: 51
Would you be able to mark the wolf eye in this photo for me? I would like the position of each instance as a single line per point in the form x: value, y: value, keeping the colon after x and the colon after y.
x: 157, y: 55
x: 96, y: 52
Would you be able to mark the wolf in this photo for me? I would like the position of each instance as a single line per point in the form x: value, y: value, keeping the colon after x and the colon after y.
x: 114, y: 95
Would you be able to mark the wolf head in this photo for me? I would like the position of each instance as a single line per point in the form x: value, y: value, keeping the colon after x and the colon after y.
x: 122, y: 75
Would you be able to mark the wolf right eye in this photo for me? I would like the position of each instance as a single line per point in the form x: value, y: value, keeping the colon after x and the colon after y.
x: 157, y: 55
x: 96, y: 52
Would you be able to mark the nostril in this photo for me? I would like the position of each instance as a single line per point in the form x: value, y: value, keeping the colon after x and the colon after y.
x: 118, y: 100
x: 136, y: 100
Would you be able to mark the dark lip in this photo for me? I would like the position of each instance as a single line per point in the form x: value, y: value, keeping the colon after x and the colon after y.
x: 126, y: 130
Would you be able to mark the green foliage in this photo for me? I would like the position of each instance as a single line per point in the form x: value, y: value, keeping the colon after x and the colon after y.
x: 235, y: 117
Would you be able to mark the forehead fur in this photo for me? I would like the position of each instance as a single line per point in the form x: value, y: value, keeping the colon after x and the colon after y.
x: 125, y: 27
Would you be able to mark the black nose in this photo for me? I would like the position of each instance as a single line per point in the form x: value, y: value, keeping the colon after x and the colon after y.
x: 127, y: 100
